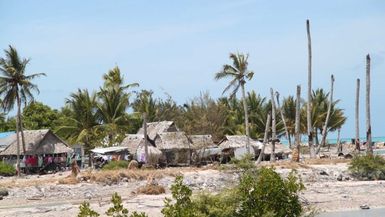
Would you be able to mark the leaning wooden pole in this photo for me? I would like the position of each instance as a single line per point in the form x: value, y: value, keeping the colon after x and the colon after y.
x: 324, y: 130
x: 357, y: 116
x: 145, y: 137
x: 265, y: 138
x: 296, y: 150
x: 273, y: 126
x: 309, y: 97
x: 368, y: 125
x: 283, y: 119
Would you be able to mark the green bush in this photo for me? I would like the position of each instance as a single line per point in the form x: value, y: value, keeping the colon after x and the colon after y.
x: 114, y: 165
x: 261, y: 193
x: 7, y: 169
x: 117, y: 209
x: 371, y: 167
x: 245, y: 163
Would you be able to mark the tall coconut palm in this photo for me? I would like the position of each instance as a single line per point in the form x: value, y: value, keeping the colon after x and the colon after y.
x: 265, y: 138
x: 16, y: 87
x: 309, y: 121
x: 357, y: 116
x: 324, y: 130
x: 368, y: 125
x: 239, y: 74
x: 83, y: 122
x: 113, y: 104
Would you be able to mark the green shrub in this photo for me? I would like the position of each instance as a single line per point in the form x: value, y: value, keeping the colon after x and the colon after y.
x: 6, y: 169
x: 245, y: 163
x: 261, y: 193
x: 265, y: 193
x: 117, y: 209
x: 86, y: 211
x: 371, y: 167
x: 114, y: 165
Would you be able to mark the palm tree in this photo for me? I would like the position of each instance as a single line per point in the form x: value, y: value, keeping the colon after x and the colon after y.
x: 324, y: 132
x: 113, y: 104
x: 309, y: 121
x: 82, y: 125
x: 16, y: 88
x: 368, y: 125
x: 357, y: 117
x: 239, y: 73
x: 265, y: 138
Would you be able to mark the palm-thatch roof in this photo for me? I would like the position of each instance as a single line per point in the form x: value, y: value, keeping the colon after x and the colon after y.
x: 172, y: 140
x: 201, y: 141
x: 238, y: 141
x: 154, y: 128
x: 37, y: 142
x: 279, y: 149
x: 132, y: 141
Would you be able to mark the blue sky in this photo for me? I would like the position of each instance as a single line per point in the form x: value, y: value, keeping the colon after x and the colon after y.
x: 177, y: 46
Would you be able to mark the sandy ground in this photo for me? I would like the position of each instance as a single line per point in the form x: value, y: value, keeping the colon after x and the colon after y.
x: 43, y: 196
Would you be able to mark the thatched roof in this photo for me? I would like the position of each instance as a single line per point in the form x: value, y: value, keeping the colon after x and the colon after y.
x: 37, y: 142
x: 154, y: 128
x: 237, y: 142
x: 132, y: 141
x: 172, y: 140
x: 201, y: 141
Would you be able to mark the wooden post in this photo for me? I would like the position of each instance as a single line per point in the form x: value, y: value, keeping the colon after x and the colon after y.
x: 145, y: 137
x: 324, y: 130
x: 273, y: 127
x: 357, y: 139
x: 265, y: 138
x: 297, y: 125
x: 309, y: 97
x: 283, y: 120
x: 368, y: 125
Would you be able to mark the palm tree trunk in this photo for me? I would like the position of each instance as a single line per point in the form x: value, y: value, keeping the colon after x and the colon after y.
x: 145, y: 136
x: 357, y: 140
x: 295, y: 157
x: 283, y: 120
x: 22, y: 134
x: 273, y: 127
x: 17, y: 147
x: 265, y: 138
x: 368, y: 125
x: 316, y: 136
x: 324, y: 130
x: 339, y: 145
x: 246, y: 118
x: 309, y: 98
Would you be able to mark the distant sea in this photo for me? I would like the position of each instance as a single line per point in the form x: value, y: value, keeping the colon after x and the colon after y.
x: 334, y: 141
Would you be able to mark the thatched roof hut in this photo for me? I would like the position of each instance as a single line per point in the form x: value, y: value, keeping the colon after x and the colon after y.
x: 132, y: 141
x: 37, y: 142
x: 238, y: 141
x: 201, y: 141
x: 279, y: 149
x: 155, y: 128
x: 175, y: 147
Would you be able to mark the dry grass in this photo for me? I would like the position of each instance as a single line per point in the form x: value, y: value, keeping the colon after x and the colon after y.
x: 288, y: 165
x: 114, y: 176
x: 151, y: 189
x: 69, y: 180
x: 320, y: 161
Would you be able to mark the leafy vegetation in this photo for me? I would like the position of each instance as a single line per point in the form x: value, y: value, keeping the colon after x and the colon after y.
x: 114, y: 165
x: 371, y: 167
x: 6, y: 169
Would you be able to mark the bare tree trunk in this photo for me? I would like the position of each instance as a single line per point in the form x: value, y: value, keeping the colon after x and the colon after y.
x: 316, y: 136
x: 324, y: 130
x: 295, y: 157
x: 309, y: 97
x: 368, y: 125
x: 339, y: 145
x: 17, y: 136
x: 22, y: 135
x: 145, y: 136
x: 273, y: 127
x: 246, y: 118
x: 357, y: 139
x: 265, y: 138
x: 283, y: 120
